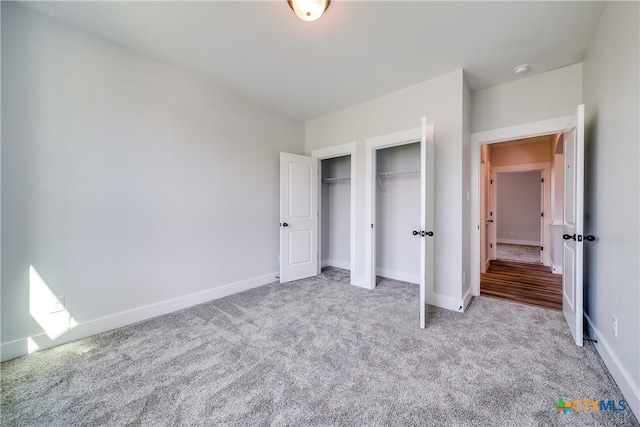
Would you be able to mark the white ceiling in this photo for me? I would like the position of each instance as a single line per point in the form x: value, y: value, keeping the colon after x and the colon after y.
x: 357, y: 51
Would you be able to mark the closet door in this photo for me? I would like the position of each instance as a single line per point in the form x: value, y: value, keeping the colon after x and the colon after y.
x: 427, y: 180
x: 298, y: 217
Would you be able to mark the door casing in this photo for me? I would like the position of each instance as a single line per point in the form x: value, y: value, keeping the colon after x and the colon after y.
x: 348, y: 149
x: 526, y: 130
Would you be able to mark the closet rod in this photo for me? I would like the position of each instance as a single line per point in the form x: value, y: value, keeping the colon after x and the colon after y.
x: 399, y: 173
x: 390, y: 174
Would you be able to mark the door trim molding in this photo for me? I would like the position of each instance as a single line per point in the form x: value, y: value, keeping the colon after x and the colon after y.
x: 348, y: 149
x: 545, y: 168
x: 524, y: 130
x: 394, y: 139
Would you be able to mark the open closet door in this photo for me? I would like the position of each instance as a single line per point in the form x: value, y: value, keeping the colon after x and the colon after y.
x: 572, y: 265
x: 427, y: 179
x: 298, y: 217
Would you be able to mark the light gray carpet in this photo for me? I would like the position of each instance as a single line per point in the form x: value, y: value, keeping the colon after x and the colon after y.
x: 316, y: 352
x: 520, y: 253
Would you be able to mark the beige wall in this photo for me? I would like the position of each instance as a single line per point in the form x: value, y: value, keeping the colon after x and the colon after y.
x: 519, y: 154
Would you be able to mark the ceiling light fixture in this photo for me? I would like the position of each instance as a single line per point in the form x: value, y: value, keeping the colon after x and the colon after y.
x: 521, y: 69
x: 309, y: 10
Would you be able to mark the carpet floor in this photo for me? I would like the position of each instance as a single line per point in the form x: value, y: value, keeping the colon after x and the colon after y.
x: 317, y: 352
x: 520, y: 253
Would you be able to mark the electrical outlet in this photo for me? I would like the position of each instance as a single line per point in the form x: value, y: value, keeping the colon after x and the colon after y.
x: 57, y: 305
x: 614, y: 326
x: 511, y: 233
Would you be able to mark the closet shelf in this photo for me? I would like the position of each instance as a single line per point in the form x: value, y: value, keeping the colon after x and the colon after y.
x: 399, y: 173
x: 392, y: 174
x: 336, y: 179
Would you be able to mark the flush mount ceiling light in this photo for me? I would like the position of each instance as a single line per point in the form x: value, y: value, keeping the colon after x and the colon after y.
x: 521, y: 69
x: 309, y: 10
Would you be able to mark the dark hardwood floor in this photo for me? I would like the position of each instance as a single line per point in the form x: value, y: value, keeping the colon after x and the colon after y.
x: 530, y: 284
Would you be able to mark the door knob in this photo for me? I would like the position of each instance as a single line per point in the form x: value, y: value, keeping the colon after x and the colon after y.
x: 489, y: 220
x: 429, y: 233
x: 568, y: 236
x: 589, y: 238
x: 284, y: 224
x: 415, y: 233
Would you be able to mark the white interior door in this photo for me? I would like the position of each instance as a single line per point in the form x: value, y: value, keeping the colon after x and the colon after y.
x: 427, y: 180
x: 298, y: 217
x: 572, y: 266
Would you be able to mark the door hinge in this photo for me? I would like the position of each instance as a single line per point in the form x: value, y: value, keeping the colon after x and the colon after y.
x: 542, y: 180
x: 371, y: 225
x: 542, y: 214
x: 490, y: 181
x: 542, y: 248
x: 490, y: 245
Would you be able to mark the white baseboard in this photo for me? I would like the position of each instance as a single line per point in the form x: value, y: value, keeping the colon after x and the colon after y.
x: 443, y: 301
x: 438, y: 300
x: 630, y: 390
x: 519, y: 242
x: 336, y: 263
x: 398, y: 275
x: 467, y: 299
x: 360, y: 281
x: 12, y: 349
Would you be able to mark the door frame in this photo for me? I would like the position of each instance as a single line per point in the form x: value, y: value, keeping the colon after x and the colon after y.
x: 372, y: 145
x: 348, y: 149
x: 545, y: 168
x: 525, y: 130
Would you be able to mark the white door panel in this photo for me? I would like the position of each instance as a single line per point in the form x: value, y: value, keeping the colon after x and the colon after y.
x: 298, y: 217
x: 572, y: 268
x: 427, y: 208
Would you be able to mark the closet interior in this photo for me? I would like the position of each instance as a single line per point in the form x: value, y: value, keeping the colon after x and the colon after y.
x: 398, y: 212
x: 335, y: 203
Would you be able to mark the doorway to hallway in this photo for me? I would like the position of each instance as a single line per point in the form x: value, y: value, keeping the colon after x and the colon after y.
x: 520, y: 200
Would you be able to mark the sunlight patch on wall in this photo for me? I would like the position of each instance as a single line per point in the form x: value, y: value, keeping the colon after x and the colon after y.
x: 47, y: 309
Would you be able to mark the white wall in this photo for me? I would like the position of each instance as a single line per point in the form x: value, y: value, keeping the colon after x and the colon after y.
x: 398, y: 214
x: 544, y: 96
x: 441, y: 101
x: 336, y: 213
x: 519, y: 207
x: 133, y: 188
x: 612, y: 93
